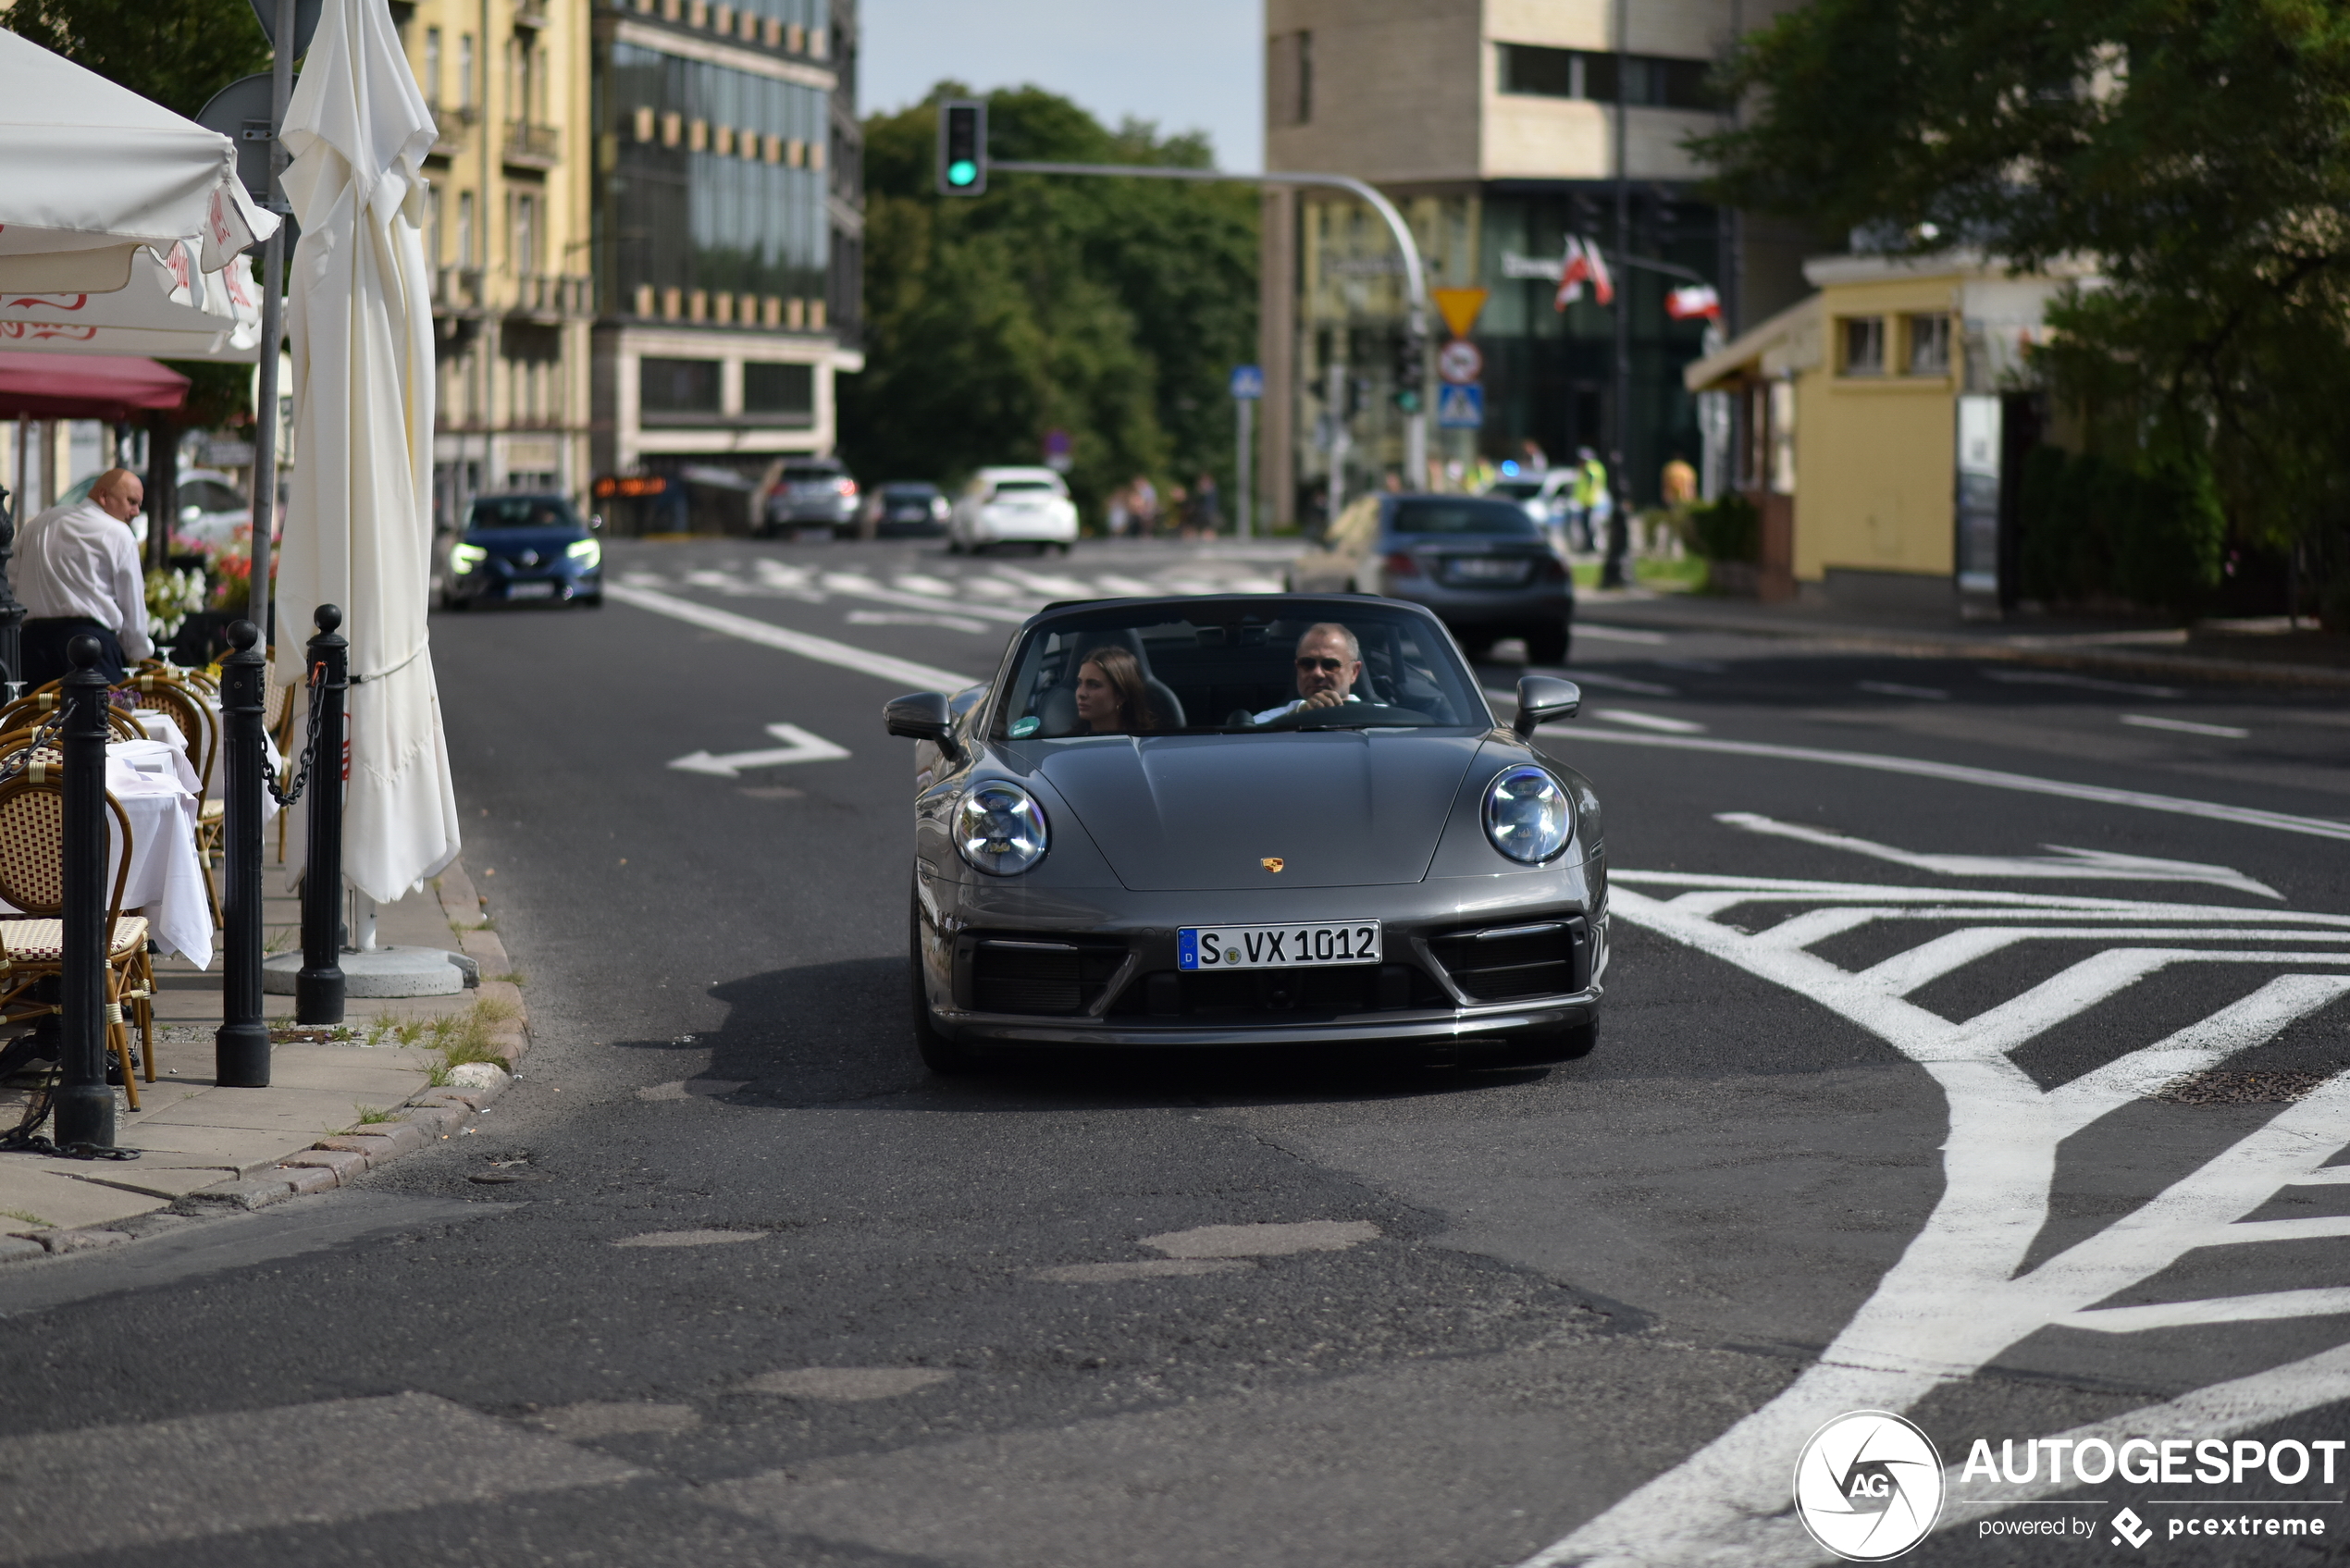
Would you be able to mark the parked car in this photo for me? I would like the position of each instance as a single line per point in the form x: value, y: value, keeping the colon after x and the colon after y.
x: 212, y: 510
x: 1013, y: 506
x: 812, y: 492
x: 904, y: 506
x: 1216, y: 867
x: 1482, y: 564
x: 520, y: 547
x: 1543, y: 495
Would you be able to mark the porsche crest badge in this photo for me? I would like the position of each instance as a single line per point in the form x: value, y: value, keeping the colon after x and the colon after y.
x: 1273, y: 863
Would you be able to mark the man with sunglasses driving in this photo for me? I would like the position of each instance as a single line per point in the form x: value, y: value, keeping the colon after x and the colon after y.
x: 1330, y: 661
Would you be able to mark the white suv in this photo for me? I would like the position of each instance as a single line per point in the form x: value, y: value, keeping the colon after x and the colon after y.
x: 1013, y: 506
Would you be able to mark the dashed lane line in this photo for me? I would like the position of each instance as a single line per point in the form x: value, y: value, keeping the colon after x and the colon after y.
x: 2185, y: 726
x: 1649, y: 721
x: 903, y: 671
x: 1988, y: 778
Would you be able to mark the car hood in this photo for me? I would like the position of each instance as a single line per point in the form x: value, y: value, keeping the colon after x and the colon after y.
x: 1337, y: 808
x: 513, y: 541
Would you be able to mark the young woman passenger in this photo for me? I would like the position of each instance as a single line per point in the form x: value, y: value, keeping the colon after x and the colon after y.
x: 1111, y: 697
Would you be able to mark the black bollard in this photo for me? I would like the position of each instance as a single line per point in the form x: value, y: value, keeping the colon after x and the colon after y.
x: 318, y: 987
x: 84, y: 1109
x: 240, y: 1049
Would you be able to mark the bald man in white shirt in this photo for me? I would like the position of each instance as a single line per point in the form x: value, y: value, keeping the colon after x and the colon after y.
x: 76, y: 571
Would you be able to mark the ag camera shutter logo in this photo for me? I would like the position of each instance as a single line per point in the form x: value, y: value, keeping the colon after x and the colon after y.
x: 1868, y: 1486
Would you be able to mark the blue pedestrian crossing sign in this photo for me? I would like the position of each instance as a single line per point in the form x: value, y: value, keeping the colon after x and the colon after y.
x: 1248, y: 382
x: 1459, y: 407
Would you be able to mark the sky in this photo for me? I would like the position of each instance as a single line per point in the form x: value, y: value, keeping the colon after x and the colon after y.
x: 1193, y: 66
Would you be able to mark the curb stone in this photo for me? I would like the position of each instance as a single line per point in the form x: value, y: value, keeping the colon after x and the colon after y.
x: 429, y: 1116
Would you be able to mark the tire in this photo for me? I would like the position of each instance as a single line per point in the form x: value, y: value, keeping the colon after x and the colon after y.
x: 1568, y: 1044
x: 590, y: 601
x: 454, y: 604
x: 1549, y: 645
x: 940, y: 1054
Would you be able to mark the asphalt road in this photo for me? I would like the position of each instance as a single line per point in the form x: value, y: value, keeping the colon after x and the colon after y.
x: 1913, y: 963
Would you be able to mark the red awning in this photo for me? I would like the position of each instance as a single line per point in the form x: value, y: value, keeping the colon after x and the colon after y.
x: 85, y: 385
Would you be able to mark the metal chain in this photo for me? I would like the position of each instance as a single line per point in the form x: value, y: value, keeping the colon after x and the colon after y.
x: 46, y: 734
x: 22, y: 1140
x: 309, y: 747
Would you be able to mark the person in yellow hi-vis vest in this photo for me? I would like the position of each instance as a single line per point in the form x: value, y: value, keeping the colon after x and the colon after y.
x: 1589, y: 501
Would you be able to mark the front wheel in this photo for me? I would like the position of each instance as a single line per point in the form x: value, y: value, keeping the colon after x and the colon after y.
x: 1548, y: 644
x: 940, y: 1054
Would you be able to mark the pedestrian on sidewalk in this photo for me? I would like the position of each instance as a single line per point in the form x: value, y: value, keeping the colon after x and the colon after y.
x: 1144, y: 506
x: 1590, y: 504
x: 1533, y: 462
x: 1206, y: 518
x: 1120, y: 515
x: 76, y: 571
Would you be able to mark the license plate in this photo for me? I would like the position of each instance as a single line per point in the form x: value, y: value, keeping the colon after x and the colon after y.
x: 1276, y: 947
x: 530, y: 590
x: 1489, y: 571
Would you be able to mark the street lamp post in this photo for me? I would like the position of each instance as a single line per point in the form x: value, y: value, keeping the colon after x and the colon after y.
x: 1619, y: 532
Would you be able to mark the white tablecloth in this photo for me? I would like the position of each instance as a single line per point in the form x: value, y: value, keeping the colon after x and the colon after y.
x: 166, y: 881
x: 164, y: 727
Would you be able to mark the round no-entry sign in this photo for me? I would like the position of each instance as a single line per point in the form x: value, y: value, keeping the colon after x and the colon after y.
x: 1459, y: 362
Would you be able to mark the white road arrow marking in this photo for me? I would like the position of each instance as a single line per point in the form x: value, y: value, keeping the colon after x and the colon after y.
x: 803, y: 748
x: 2065, y: 865
x: 1960, y: 1294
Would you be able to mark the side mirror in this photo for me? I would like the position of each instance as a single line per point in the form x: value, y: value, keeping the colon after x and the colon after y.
x: 924, y: 716
x: 1541, y: 698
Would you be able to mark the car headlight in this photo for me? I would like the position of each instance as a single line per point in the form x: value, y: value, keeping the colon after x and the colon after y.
x: 998, y: 829
x: 1527, y: 816
x: 465, y: 558
x: 589, y: 553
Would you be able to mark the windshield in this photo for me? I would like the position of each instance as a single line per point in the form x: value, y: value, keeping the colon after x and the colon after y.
x: 521, y: 511
x: 1006, y: 487
x: 1451, y: 515
x: 1236, y: 669
x: 805, y: 474
x: 910, y: 492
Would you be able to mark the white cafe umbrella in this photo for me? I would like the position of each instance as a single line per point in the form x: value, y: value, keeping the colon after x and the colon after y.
x: 95, y: 171
x: 358, y: 529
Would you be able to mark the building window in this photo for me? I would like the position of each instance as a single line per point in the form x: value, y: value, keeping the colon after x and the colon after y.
x: 1650, y: 80
x: 674, y: 389
x: 783, y: 392
x: 1863, y: 345
x: 465, y: 229
x: 1289, y: 75
x: 432, y: 67
x: 435, y: 239
x: 1929, y: 345
x: 466, y: 71
x: 524, y: 241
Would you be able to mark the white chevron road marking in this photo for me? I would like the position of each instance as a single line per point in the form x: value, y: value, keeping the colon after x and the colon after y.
x: 2068, y: 865
x: 1959, y: 1295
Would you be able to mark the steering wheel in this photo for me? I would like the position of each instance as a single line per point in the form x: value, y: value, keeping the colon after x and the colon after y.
x: 1348, y: 715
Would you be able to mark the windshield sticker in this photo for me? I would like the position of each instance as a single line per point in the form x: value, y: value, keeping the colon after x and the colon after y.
x: 1023, y: 728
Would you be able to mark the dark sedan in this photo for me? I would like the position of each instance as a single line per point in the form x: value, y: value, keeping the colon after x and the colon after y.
x: 1250, y: 821
x: 903, y: 506
x: 524, y: 549
x: 1482, y: 564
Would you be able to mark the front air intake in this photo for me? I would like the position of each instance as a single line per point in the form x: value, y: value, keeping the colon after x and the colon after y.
x: 1510, y: 963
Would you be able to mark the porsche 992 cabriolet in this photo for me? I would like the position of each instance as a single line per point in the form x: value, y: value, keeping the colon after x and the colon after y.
x: 1249, y: 821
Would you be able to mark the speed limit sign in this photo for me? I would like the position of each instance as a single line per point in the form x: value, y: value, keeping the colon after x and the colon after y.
x: 1459, y: 362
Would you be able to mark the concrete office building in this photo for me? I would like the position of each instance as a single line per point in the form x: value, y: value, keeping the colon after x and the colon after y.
x: 729, y: 201
x: 506, y: 238
x: 1492, y: 125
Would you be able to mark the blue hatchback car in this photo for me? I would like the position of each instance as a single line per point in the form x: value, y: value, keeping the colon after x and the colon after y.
x: 519, y: 547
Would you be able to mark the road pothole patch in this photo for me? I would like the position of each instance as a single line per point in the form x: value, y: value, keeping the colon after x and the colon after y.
x: 616, y: 1418
x: 692, y: 1089
x: 846, y: 1383
x: 1263, y: 1241
x: 1148, y: 1268
x: 2221, y: 1086
x: 689, y: 1238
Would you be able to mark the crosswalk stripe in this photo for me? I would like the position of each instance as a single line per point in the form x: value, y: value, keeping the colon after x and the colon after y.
x: 902, y: 672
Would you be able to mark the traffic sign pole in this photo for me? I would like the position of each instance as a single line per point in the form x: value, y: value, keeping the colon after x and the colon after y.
x: 1248, y: 385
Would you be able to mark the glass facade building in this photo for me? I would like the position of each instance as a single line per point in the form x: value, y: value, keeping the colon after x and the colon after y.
x: 729, y: 240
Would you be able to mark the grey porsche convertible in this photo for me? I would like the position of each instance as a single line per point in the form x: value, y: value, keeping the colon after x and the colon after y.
x: 1249, y: 821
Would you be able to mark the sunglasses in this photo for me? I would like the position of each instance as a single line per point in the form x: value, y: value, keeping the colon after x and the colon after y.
x: 1331, y: 666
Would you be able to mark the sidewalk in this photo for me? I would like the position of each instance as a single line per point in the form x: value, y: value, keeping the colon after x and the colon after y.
x: 2250, y: 652
x: 340, y: 1100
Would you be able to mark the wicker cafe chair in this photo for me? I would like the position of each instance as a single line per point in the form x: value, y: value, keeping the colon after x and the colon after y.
x: 33, y: 821
x: 45, y: 703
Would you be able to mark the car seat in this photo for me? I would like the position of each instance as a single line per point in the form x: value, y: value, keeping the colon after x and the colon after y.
x: 1057, y: 704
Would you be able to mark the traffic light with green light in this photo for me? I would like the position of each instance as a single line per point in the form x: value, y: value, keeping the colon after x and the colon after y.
x: 1411, y: 369
x: 963, y: 148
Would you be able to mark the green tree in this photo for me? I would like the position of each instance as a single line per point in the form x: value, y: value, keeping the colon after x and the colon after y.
x: 178, y: 52
x: 2197, y: 150
x: 1112, y: 309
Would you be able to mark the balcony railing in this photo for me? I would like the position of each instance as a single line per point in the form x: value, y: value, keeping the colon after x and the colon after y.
x: 459, y: 289
x: 530, y: 13
x: 554, y: 294
x: 449, y: 127
x: 533, y: 146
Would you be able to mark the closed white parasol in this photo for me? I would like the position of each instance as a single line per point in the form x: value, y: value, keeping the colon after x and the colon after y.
x: 358, y: 529
x: 95, y: 171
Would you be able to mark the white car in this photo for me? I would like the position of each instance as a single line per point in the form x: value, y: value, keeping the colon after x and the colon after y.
x: 1013, y: 506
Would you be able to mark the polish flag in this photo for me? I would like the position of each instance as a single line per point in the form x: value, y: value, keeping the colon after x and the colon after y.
x: 1584, y: 264
x: 1694, y: 302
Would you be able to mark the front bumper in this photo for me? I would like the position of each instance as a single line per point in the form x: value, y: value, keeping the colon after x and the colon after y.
x: 1123, y: 988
